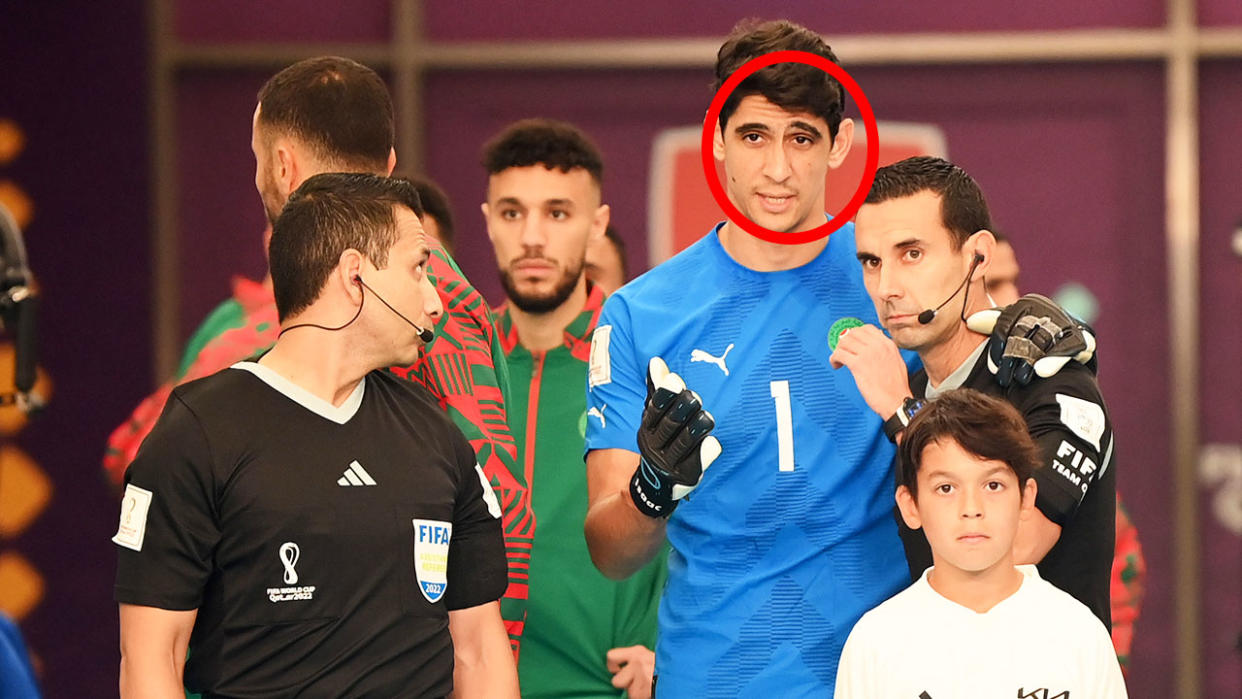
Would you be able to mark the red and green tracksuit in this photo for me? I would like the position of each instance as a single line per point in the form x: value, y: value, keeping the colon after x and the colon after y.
x: 1129, y: 576
x: 574, y: 614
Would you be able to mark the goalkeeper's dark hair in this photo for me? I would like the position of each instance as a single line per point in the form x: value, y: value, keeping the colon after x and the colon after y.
x: 547, y: 142
x: 988, y: 428
x: 794, y: 87
x: 963, y: 209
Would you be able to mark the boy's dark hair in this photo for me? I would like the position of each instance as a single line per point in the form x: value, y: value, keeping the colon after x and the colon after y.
x: 547, y: 142
x: 987, y: 427
x: 794, y: 87
x: 329, y: 214
x: 963, y: 210
x: 339, y: 108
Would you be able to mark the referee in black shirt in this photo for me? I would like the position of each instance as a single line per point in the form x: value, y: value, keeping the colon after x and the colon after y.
x: 306, y: 524
x: 924, y: 242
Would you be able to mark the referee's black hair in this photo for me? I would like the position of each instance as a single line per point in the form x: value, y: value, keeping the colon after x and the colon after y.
x: 329, y: 214
x: 547, y: 142
x: 338, y: 107
x: 790, y: 86
x: 987, y: 427
x: 963, y: 210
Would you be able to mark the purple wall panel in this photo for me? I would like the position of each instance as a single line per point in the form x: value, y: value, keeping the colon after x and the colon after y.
x: 1217, y: 13
x: 228, y: 21
x: 220, y: 216
x: 1221, y: 383
x: 1070, y: 156
x: 544, y: 19
x: 73, y: 78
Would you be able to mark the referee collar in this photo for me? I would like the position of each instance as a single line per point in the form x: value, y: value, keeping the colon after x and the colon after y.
x: 339, y: 414
x: 959, y: 375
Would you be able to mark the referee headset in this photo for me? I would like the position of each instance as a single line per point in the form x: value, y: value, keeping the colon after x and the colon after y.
x: 928, y: 315
x: 424, y: 334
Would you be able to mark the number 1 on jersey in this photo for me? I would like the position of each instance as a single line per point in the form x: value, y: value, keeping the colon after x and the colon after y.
x: 784, y: 424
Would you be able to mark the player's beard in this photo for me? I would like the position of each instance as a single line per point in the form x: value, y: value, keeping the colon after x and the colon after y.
x: 543, y: 302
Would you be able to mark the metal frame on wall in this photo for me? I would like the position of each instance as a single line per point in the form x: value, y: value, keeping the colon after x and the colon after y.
x: 1181, y: 44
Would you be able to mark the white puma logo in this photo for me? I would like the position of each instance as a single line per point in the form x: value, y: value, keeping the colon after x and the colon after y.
x: 599, y: 413
x: 699, y: 355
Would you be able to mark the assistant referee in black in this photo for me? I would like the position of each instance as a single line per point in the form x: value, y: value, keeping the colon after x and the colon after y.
x: 306, y: 524
x: 924, y: 241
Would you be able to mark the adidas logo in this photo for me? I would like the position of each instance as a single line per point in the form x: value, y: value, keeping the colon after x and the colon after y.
x: 355, y: 475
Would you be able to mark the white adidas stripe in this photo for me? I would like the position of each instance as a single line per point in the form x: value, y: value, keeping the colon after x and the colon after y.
x: 355, y: 475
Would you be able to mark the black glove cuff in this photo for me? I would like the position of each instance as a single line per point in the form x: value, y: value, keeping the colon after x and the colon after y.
x: 651, y: 491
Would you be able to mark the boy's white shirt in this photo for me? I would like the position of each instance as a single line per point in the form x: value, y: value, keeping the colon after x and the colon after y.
x: 1039, y: 642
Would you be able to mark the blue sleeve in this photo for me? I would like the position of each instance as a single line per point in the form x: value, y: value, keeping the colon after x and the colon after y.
x: 616, y: 381
x: 17, y: 679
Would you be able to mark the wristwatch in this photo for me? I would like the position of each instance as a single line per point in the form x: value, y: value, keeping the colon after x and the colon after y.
x: 895, y: 424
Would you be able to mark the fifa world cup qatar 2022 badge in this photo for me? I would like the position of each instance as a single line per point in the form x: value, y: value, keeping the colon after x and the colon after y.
x: 133, y: 526
x: 431, y: 550
x: 289, y: 554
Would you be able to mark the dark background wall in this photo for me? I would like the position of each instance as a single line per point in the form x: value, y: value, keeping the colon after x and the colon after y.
x: 1220, y: 386
x: 1070, y: 155
x: 73, y: 77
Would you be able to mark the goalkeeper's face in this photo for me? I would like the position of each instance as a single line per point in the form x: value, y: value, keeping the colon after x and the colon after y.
x: 540, y: 221
x: 775, y: 162
x: 910, y: 263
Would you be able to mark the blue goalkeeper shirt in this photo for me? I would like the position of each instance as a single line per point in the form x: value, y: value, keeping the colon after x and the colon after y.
x: 790, y: 536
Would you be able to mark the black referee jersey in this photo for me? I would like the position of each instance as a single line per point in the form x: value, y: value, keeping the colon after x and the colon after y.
x: 1076, y: 482
x: 322, y: 546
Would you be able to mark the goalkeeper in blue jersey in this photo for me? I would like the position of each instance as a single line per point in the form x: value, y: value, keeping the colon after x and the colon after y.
x: 790, y: 537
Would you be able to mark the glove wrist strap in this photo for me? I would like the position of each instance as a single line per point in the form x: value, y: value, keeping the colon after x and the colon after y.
x: 651, y: 492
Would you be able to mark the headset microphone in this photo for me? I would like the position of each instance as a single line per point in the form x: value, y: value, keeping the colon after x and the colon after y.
x: 927, y: 316
x: 424, y: 334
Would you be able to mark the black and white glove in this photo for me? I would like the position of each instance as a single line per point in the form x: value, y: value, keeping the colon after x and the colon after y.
x: 674, y: 443
x: 1032, y: 336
